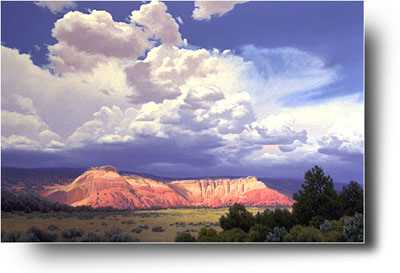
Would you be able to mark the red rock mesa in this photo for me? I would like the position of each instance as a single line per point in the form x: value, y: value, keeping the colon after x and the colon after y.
x: 104, y: 187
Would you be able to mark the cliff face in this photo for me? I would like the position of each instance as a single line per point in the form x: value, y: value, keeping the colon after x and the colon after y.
x: 103, y: 186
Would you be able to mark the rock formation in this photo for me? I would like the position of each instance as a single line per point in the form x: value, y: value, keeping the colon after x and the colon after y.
x: 104, y: 187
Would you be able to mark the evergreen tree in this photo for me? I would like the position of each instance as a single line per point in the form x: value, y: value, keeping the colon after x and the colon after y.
x: 317, y: 198
x: 352, y: 199
x: 238, y: 217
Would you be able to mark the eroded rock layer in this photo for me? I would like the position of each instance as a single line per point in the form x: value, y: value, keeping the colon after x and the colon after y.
x: 104, y: 187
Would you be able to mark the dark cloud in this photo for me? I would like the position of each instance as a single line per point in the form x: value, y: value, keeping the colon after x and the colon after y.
x: 169, y: 158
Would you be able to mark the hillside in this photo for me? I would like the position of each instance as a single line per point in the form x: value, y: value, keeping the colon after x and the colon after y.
x: 105, y: 187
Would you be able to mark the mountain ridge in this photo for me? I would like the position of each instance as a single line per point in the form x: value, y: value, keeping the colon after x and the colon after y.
x: 105, y: 187
x: 35, y: 178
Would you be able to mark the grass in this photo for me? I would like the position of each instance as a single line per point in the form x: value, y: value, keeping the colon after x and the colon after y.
x: 154, y: 225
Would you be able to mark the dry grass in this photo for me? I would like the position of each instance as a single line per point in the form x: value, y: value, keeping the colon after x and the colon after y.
x: 139, y: 224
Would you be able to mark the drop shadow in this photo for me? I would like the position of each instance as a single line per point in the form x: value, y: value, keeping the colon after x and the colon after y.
x: 137, y: 251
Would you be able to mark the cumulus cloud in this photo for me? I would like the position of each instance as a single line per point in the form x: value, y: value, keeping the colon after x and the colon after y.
x: 26, y: 131
x: 205, y: 10
x: 158, y: 22
x: 167, y: 72
x: 211, y: 113
x: 66, y: 59
x: 85, y: 40
x: 98, y: 33
x: 72, y: 98
x: 56, y: 6
x: 127, y: 93
x: 334, y: 145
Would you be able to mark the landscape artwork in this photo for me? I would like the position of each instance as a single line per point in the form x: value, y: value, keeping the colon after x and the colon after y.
x: 204, y: 122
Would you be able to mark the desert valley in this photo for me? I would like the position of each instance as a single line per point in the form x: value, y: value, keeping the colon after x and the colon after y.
x: 107, y: 202
x: 102, y: 204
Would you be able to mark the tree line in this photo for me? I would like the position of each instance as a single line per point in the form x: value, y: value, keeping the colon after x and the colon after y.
x: 319, y: 213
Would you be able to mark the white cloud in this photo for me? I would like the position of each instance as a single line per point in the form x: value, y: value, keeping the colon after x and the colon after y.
x: 26, y: 131
x: 98, y: 33
x: 56, y: 6
x: 72, y: 98
x: 280, y: 72
x: 85, y: 40
x: 167, y: 72
x: 158, y: 22
x: 212, y: 98
x: 334, y: 129
x: 205, y: 10
x: 207, y: 104
x: 179, y: 20
x: 65, y: 58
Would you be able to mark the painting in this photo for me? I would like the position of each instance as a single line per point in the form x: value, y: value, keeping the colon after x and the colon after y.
x: 205, y: 122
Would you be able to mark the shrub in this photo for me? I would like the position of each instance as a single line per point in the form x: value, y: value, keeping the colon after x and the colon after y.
x: 354, y: 228
x: 72, y: 233
x: 11, y: 236
x: 128, y: 222
x: 35, y: 234
x: 316, y: 221
x: 258, y: 233
x: 117, y: 235
x: 158, y: 229
x: 184, y: 237
x: 52, y: 227
x: 303, y: 234
x: 208, y: 235
x: 122, y: 237
x: 137, y: 230
x: 276, y: 235
x: 237, y: 217
x: 234, y: 235
x: 332, y: 231
x: 275, y: 218
x: 91, y: 237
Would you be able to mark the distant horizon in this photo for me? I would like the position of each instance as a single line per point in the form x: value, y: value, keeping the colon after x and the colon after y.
x: 155, y: 175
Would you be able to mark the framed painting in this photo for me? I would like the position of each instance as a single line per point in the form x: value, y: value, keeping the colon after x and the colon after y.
x: 205, y: 122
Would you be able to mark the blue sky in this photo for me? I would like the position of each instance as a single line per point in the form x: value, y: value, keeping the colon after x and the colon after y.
x: 332, y: 30
x: 292, y: 58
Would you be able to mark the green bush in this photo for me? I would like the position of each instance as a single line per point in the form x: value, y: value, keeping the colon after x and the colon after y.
x: 12, y: 236
x: 303, y: 234
x: 35, y: 234
x: 137, y: 230
x: 117, y: 235
x: 354, y: 228
x: 332, y: 231
x: 158, y: 229
x: 184, y: 237
x: 208, y: 235
x: 258, y: 233
x: 237, y: 217
x: 91, y: 237
x: 72, y: 233
x: 52, y: 227
x: 275, y: 218
x: 276, y: 235
x: 234, y: 235
x: 122, y: 237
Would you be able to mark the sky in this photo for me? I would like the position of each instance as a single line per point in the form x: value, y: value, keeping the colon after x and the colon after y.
x: 184, y: 88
